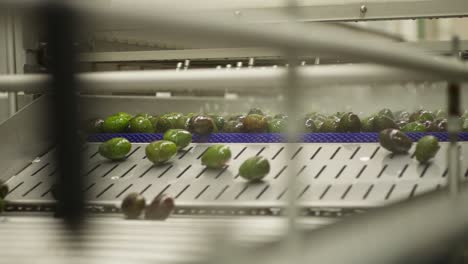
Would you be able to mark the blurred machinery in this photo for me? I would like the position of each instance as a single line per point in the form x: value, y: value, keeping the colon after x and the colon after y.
x: 330, y: 201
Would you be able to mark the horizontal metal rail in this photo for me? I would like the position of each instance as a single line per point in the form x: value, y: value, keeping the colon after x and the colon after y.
x: 183, y: 25
x: 242, y: 80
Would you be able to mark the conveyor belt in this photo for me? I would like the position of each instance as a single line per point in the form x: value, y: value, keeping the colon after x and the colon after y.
x: 341, y: 175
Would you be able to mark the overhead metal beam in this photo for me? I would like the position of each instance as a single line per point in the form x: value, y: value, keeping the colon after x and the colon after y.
x: 431, y: 47
x: 243, y: 80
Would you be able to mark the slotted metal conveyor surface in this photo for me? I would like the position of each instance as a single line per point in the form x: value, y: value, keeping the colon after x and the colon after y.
x: 334, y: 174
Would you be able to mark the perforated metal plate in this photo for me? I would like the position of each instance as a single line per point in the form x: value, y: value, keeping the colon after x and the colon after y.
x: 328, y: 175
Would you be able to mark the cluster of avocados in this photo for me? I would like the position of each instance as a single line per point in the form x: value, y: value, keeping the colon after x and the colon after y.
x: 257, y: 121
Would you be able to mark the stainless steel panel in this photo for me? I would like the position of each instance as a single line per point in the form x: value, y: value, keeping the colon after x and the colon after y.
x: 24, y: 137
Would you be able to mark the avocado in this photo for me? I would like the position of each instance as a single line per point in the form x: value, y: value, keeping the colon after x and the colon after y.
x: 426, y: 148
x: 182, y: 138
x: 115, y: 148
x: 254, y: 168
x: 255, y: 123
x: 160, y: 151
x: 133, y: 205
x: 115, y: 124
x: 395, y: 141
x: 216, y: 156
x: 140, y: 124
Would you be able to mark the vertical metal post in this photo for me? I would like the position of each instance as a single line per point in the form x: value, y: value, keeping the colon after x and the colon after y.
x: 453, y: 125
x: 292, y: 109
x: 11, y: 61
x: 60, y: 30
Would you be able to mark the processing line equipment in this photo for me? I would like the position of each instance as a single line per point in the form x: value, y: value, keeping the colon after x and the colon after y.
x: 320, y: 189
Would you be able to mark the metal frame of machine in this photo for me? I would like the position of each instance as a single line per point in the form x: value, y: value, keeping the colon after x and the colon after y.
x: 23, y: 146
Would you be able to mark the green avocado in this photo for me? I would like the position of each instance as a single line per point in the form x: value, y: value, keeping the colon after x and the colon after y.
x: 254, y: 169
x: 115, y: 148
x: 115, y: 124
x: 426, y: 148
x: 140, y: 124
x: 182, y: 138
x: 386, y: 112
x: 328, y: 125
x: 218, y: 120
x: 414, y: 127
x: 124, y: 115
x: 233, y: 126
x: 277, y: 126
x: 216, y: 156
x: 169, y: 121
x: 160, y: 151
x: 256, y: 111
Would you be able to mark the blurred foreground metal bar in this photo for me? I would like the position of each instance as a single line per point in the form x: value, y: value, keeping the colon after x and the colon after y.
x: 244, y: 79
x: 11, y: 63
x: 454, y: 112
x: 60, y: 27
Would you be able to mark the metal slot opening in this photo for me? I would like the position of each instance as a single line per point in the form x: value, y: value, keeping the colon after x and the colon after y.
x: 93, y: 169
x: 124, y: 190
x: 389, y: 193
x: 202, y: 191
x: 241, y: 192
x: 320, y: 172
x: 129, y: 170
x: 375, y: 152
x: 382, y: 171
x: 105, y: 190
x: 425, y: 169
x: 221, y: 192
x: 280, y: 172
x: 277, y: 153
x: 145, y: 172
x: 182, y: 173
x: 368, y: 192
x: 109, y: 171
x: 166, y: 170
x: 334, y: 153
x: 295, y: 153
x: 262, y: 192
x: 260, y: 152
x: 131, y: 153
x: 32, y: 188
x: 41, y: 168
x: 303, y: 191
x: 185, y: 152
x: 355, y: 152
x: 325, y: 192
x: 183, y: 190
x: 403, y: 171
x: 16, y: 187
x: 315, y: 153
x: 346, y: 192
x: 145, y: 189
x: 240, y: 153
x: 361, y: 171
x: 340, y: 172
x: 222, y: 171
x: 413, y: 191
